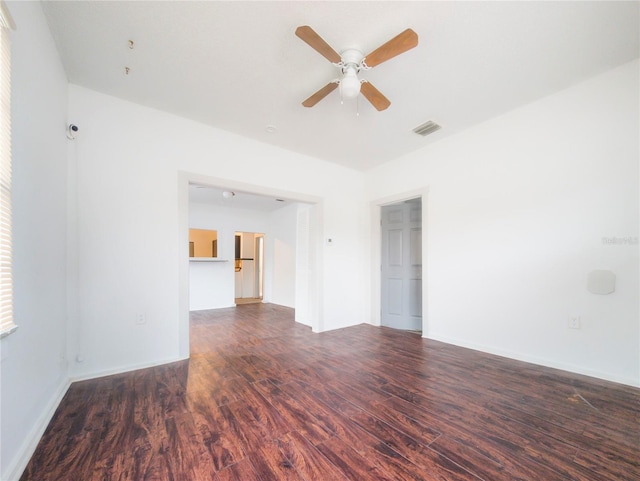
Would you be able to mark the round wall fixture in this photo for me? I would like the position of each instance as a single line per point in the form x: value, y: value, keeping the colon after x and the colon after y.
x: 72, y: 131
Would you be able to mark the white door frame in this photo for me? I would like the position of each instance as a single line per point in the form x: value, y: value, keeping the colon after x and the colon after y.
x: 376, y: 253
x: 315, y: 243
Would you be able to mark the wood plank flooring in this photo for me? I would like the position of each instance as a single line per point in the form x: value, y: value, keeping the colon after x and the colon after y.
x: 263, y: 398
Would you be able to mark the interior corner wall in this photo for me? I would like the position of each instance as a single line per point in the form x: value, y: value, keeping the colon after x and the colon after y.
x: 34, y: 366
x: 129, y: 159
x: 521, y: 209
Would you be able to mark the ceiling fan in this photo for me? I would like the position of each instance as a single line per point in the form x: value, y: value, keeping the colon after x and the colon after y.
x: 351, y: 62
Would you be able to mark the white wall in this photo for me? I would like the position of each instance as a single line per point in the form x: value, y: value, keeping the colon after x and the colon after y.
x: 34, y: 368
x: 517, y: 210
x: 211, y: 284
x: 280, y: 251
x: 132, y: 164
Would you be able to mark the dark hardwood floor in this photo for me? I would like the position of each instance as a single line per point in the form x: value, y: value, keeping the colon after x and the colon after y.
x: 263, y: 398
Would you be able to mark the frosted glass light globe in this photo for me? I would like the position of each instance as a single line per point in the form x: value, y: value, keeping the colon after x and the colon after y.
x: 350, y: 84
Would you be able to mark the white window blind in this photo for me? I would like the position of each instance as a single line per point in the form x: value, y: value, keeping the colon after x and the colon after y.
x: 6, y: 260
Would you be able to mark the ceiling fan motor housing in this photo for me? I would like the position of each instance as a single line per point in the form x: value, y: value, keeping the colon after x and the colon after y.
x: 351, y: 58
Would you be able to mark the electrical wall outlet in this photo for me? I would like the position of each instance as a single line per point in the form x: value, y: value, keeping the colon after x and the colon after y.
x: 141, y: 319
x: 574, y: 322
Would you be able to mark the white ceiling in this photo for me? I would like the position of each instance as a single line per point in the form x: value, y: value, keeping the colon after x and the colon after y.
x: 206, y: 194
x: 239, y: 66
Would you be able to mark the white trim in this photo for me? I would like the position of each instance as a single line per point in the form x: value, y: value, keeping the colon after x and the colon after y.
x: 570, y: 368
x: 10, y: 329
x: 376, y: 255
x: 125, y: 369
x: 32, y: 439
x: 184, y: 178
x: 16, y: 468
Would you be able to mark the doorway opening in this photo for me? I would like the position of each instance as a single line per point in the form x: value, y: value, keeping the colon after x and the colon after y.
x: 289, y: 253
x: 249, y: 267
x: 401, y: 265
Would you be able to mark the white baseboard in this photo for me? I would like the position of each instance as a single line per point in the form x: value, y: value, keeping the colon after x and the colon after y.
x: 123, y: 369
x: 15, y: 469
x: 535, y: 360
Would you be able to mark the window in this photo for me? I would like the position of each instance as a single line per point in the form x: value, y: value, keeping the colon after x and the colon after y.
x: 6, y: 278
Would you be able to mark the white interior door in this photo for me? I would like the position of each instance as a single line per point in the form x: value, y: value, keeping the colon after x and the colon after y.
x: 249, y: 278
x: 401, y: 279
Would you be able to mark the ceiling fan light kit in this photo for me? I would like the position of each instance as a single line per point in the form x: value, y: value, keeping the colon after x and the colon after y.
x: 351, y: 62
x: 350, y: 84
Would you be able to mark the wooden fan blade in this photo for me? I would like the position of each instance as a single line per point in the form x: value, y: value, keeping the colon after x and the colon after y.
x: 315, y: 41
x: 397, y: 45
x: 320, y: 94
x: 373, y: 95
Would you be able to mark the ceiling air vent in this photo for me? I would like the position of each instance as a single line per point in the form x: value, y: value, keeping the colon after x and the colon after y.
x: 427, y: 128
